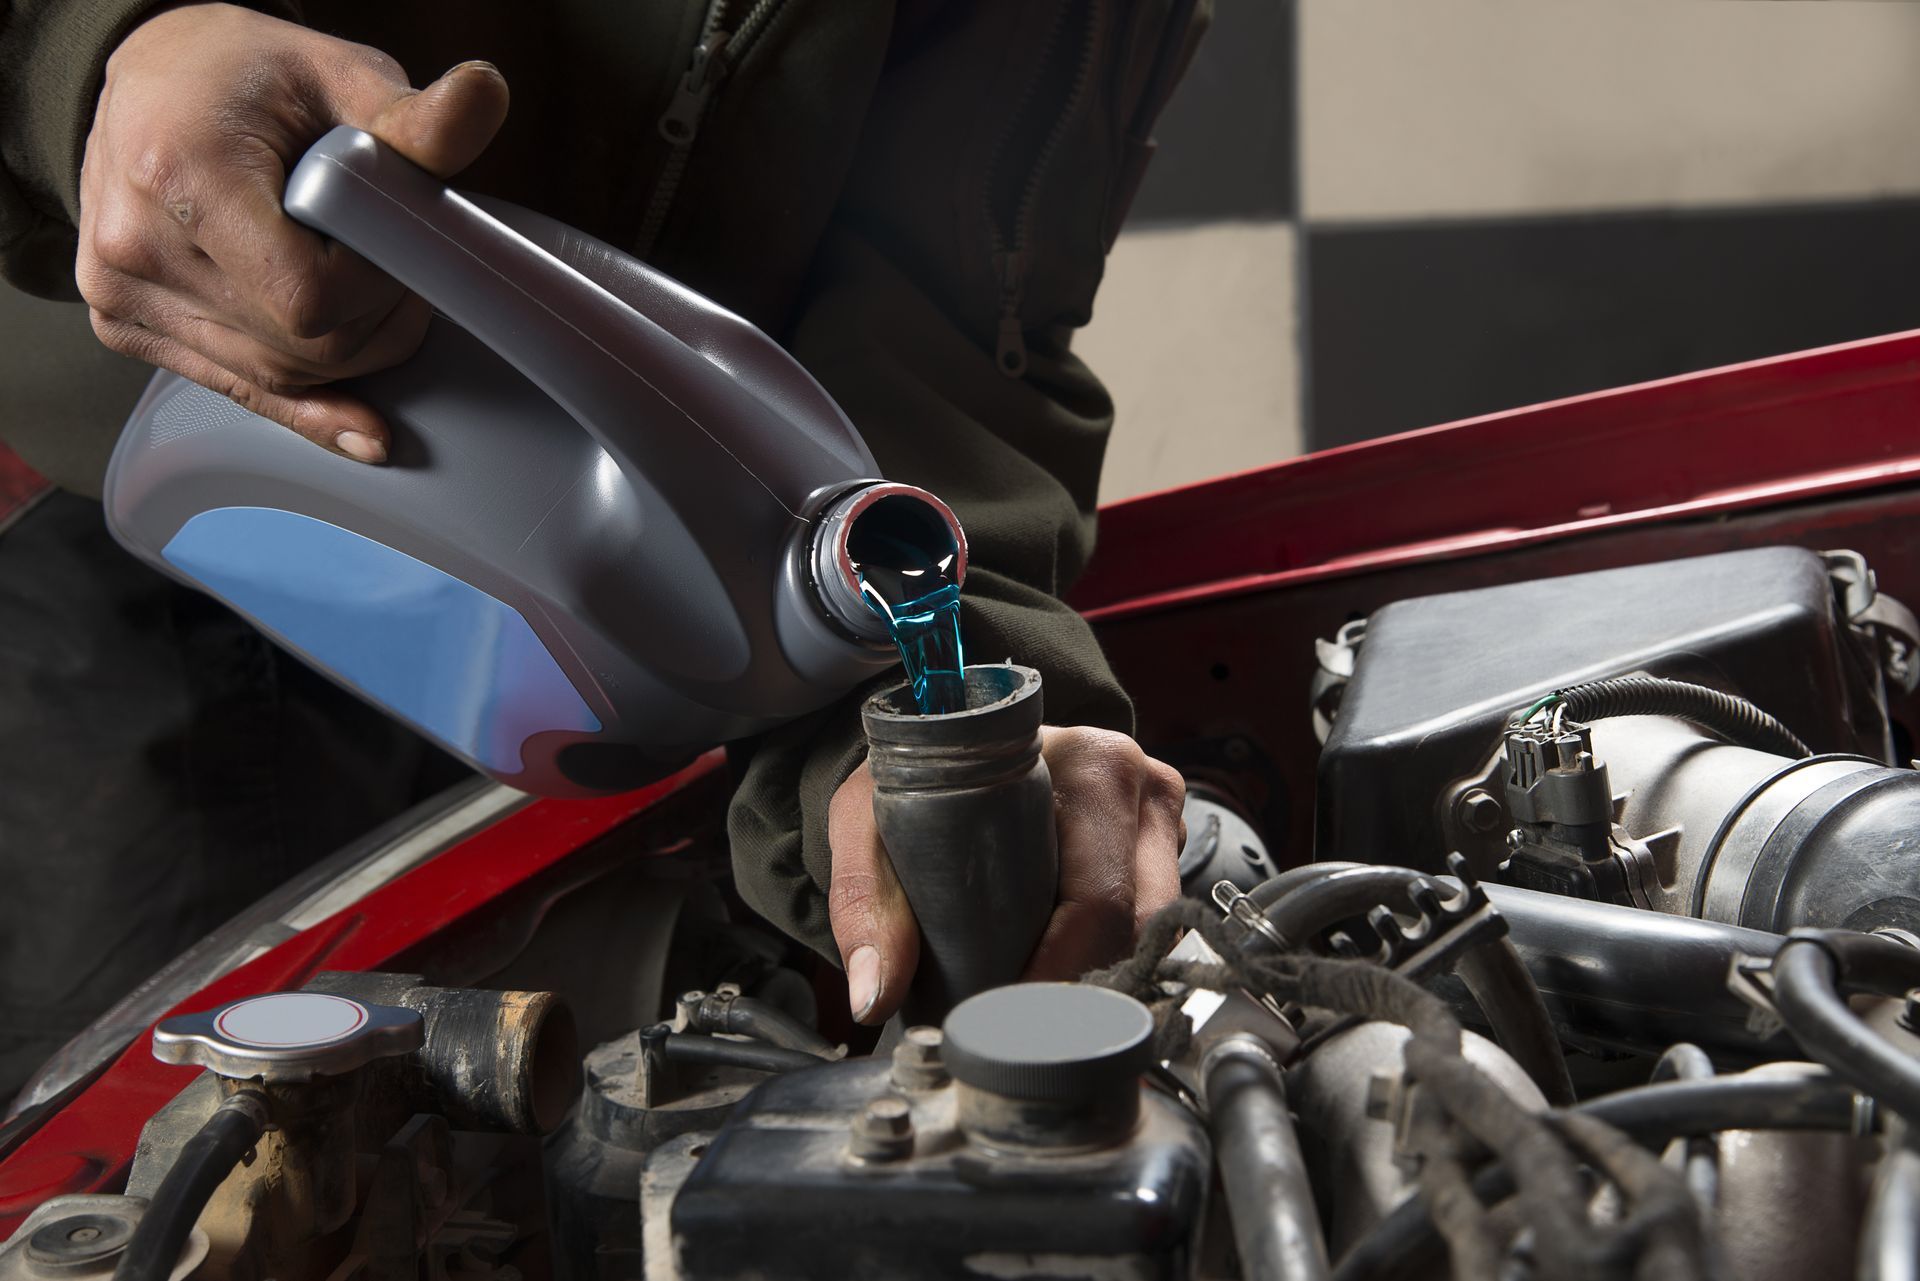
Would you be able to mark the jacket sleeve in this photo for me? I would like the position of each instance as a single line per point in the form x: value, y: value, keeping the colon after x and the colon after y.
x: 907, y: 323
x: 53, y: 56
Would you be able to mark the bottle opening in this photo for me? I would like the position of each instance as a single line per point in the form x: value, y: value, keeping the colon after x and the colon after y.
x: 883, y: 549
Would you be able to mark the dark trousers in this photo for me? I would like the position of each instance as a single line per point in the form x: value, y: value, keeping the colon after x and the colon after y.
x: 162, y: 765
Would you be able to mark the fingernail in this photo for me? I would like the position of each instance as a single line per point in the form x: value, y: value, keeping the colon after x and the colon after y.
x: 863, y: 981
x: 361, y: 446
x: 474, y: 62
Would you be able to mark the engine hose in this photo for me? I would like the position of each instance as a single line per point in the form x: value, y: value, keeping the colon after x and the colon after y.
x: 204, y: 1163
x: 745, y: 1016
x: 1688, y: 1062
x: 1405, y: 1245
x: 1492, y: 972
x: 1275, y: 888
x: 1728, y: 715
x: 1500, y: 985
x: 713, y: 1051
x: 1276, y: 1226
x: 1809, y: 975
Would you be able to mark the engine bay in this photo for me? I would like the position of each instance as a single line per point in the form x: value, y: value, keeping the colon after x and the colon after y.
x: 1551, y: 914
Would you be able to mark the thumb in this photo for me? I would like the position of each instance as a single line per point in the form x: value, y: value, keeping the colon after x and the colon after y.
x: 873, y: 925
x: 444, y: 127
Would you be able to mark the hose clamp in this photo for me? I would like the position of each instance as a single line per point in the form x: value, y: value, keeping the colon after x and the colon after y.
x: 1241, y: 908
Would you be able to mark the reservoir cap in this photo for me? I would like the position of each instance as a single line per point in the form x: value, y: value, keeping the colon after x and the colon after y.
x: 1049, y: 1042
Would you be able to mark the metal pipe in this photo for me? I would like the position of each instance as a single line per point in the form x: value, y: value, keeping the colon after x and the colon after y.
x: 1890, y: 1239
x: 964, y: 805
x: 1276, y: 1226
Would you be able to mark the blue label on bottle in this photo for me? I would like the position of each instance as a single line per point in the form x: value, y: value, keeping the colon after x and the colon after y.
x: 440, y: 653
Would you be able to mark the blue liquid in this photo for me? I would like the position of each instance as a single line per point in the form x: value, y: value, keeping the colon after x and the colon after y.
x: 927, y: 632
x: 912, y: 589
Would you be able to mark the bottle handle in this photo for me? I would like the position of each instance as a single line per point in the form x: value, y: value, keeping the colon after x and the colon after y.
x: 608, y: 365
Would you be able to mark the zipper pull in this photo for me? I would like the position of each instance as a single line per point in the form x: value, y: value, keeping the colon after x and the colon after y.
x: 1011, y: 351
x: 681, y: 120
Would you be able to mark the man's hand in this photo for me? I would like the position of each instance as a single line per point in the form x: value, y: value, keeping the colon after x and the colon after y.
x: 186, y: 258
x: 1118, y: 812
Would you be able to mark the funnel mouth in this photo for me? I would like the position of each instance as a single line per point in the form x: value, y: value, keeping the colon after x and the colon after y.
x: 1004, y: 706
x: 879, y: 510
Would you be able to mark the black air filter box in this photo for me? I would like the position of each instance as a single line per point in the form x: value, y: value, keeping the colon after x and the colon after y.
x: 1437, y: 676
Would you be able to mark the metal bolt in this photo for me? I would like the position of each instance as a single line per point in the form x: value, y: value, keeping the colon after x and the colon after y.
x: 687, y: 1011
x: 1911, y: 1015
x: 883, y: 1131
x: 1480, y: 811
x: 917, y: 1064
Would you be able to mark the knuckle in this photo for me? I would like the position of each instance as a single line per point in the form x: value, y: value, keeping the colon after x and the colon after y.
x: 122, y: 242
x: 240, y: 391
x: 157, y: 171
x: 299, y: 305
x: 375, y: 63
x: 1103, y: 766
x: 338, y: 346
x: 276, y: 382
x: 1165, y: 784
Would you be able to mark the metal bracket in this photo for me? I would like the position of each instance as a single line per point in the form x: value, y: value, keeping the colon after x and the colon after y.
x: 1444, y: 929
x: 1751, y: 979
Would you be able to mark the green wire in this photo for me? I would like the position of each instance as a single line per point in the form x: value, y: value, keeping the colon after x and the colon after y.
x: 1534, y: 711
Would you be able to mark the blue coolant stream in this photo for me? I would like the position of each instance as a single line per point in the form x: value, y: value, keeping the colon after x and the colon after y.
x: 927, y: 633
x: 913, y: 592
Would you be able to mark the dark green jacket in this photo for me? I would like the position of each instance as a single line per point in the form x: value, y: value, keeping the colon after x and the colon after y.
x: 916, y: 197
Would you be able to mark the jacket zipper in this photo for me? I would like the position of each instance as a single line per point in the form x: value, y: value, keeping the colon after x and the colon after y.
x: 715, y: 55
x: 1012, y: 225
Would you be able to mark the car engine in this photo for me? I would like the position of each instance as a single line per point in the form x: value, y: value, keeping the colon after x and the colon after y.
x: 1602, y: 960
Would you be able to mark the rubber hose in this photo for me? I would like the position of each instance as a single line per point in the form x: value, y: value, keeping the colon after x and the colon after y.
x: 204, y: 1163
x: 1493, y: 973
x: 712, y: 1051
x: 1276, y: 1227
x: 1275, y: 888
x: 1687, y: 1062
x: 1728, y: 715
x: 1515, y: 1010
x: 745, y: 1016
x: 1404, y: 1245
x: 1806, y: 994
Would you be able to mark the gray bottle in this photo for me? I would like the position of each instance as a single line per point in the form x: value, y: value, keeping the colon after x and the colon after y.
x: 613, y: 527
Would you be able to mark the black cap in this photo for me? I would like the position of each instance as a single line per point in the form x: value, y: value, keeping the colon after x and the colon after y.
x: 1049, y: 1042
